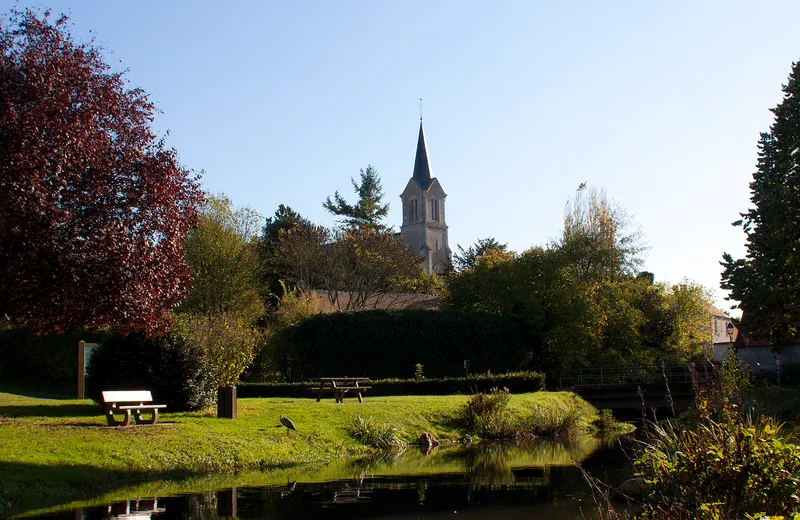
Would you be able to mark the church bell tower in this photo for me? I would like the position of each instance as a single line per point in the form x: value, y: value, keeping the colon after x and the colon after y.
x: 424, y: 229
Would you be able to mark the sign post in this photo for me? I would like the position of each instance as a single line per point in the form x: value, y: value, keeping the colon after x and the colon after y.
x: 85, y: 351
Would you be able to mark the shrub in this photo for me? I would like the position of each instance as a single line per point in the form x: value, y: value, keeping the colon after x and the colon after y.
x: 488, y: 414
x: 170, y: 367
x: 382, y: 437
x: 731, y: 463
x: 225, y: 343
x: 721, y: 470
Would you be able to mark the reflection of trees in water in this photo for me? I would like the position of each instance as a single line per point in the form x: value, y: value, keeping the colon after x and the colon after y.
x: 487, y: 465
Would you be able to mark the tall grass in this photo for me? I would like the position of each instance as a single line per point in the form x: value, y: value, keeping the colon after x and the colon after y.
x: 379, y: 436
x: 553, y: 422
x: 490, y: 417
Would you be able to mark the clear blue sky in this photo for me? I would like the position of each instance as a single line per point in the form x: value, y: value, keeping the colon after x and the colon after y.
x: 659, y: 103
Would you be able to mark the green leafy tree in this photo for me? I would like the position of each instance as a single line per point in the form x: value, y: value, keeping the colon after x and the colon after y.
x: 365, y: 269
x: 582, y: 297
x: 468, y: 259
x: 275, y: 280
x: 368, y: 212
x: 767, y: 280
x: 223, y: 261
x: 597, y: 240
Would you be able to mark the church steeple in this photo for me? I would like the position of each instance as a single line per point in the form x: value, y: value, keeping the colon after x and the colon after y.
x: 422, y: 168
x: 424, y: 229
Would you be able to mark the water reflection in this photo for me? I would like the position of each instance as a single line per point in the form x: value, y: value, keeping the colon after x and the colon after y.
x: 481, y: 481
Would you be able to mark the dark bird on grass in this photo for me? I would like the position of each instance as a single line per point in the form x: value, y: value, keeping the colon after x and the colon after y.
x: 285, y: 421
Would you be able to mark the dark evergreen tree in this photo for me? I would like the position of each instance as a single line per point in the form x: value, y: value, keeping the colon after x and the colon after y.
x: 767, y: 281
x: 273, y: 272
x: 368, y: 212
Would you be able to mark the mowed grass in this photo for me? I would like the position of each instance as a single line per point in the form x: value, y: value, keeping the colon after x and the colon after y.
x: 55, y: 451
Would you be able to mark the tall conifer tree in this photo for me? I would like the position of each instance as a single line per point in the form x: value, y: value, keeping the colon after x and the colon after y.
x: 767, y: 281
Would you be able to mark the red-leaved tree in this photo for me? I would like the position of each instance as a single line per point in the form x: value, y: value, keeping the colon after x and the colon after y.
x: 94, y: 209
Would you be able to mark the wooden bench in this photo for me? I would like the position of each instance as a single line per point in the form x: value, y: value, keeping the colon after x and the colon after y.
x: 126, y: 401
x: 339, y: 387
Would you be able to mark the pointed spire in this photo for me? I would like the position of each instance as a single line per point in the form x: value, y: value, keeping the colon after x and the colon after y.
x: 422, y: 168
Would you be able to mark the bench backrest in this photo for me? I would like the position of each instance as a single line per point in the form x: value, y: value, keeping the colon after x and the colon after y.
x: 127, y: 396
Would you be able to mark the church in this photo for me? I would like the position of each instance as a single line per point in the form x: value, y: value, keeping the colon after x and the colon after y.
x: 424, y: 229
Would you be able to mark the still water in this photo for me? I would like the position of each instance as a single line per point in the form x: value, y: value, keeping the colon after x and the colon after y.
x: 481, y: 481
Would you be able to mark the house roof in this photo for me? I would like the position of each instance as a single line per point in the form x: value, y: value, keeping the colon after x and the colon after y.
x: 422, y: 167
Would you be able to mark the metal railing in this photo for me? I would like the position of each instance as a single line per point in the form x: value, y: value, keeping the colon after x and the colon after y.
x: 628, y: 374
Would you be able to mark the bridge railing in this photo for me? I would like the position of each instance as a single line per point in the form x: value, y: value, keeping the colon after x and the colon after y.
x: 627, y: 374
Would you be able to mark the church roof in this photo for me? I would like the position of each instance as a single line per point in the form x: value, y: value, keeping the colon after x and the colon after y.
x: 422, y: 167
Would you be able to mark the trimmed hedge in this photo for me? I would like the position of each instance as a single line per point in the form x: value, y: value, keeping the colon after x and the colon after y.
x: 51, y: 359
x: 516, y: 382
x: 386, y: 344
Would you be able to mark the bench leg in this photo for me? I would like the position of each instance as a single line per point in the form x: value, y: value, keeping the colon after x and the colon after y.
x: 360, y: 400
x: 151, y: 420
x: 112, y: 421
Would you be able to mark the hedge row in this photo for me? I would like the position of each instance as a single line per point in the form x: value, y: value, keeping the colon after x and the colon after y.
x: 516, y: 382
x: 51, y: 359
x: 386, y: 344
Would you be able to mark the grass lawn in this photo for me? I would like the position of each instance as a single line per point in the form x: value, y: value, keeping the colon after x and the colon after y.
x: 58, y: 451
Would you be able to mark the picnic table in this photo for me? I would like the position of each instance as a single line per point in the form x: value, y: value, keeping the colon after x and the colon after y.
x: 338, y: 387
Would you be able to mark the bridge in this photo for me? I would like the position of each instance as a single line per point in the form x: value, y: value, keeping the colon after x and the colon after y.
x: 635, y: 387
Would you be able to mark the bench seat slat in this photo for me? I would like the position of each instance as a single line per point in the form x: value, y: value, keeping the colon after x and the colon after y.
x: 140, y: 407
x: 127, y: 396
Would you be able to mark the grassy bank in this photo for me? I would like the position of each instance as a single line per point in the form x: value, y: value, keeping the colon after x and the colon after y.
x: 55, y: 452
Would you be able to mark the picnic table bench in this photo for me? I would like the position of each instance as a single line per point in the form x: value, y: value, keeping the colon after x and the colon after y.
x: 126, y: 401
x: 338, y: 387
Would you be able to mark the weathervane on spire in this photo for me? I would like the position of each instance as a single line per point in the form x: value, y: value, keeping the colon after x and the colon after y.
x: 420, y: 110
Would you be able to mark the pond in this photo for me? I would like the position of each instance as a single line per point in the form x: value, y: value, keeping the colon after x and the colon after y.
x: 495, y: 480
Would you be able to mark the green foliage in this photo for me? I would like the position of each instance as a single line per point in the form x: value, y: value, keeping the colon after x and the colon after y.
x: 169, y: 366
x: 767, y: 281
x: 226, y: 344
x: 383, y: 343
x: 418, y: 371
x: 368, y: 213
x: 222, y: 257
x: 721, y: 469
x: 731, y: 463
x: 274, y: 276
x: 517, y: 382
x: 368, y: 266
x: 295, y: 306
x: 379, y: 436
x: 587, y: 318
x: 469, y: 259
x: 487, y: 414
x: 594, y: 242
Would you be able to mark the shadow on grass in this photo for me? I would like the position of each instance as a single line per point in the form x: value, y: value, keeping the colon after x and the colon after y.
x: 31, y: 487
x: 52, y: 411
x: 39, y: 390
